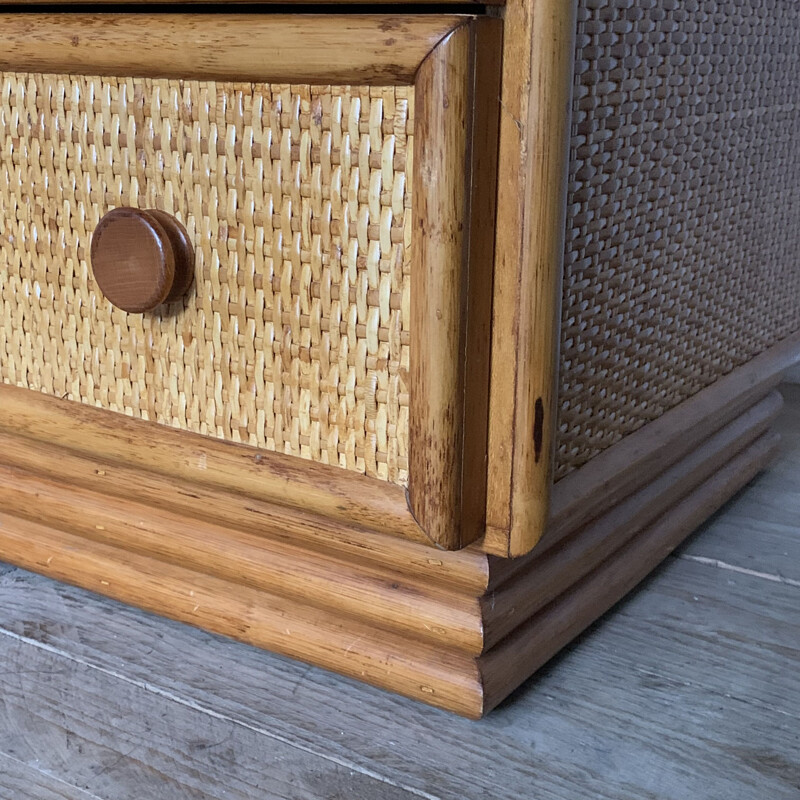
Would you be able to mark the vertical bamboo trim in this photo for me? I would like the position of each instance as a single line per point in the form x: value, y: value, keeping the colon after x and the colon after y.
x: 454, y: 206
x: 438, y: 295
x: 537, y: 81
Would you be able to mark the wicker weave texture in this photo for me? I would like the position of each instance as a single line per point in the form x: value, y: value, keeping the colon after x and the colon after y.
x: 295, y: 337
x: 683, y: 234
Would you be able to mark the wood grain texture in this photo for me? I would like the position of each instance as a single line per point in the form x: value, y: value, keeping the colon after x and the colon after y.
x: 487, y: 47
x: 439, y: 291
x: 377, y: 596
x: 531, y: 645
x: 537, y: 85
x: 444, y: 678
x: 544, y: 577
x: 282, y: 48
x: 450, y: 313
x: 464, y: 570
x: 19, y: 780
x: 388, y: 627
x: 455, y: 171
x: 204, y: 462
x: 115, y: 739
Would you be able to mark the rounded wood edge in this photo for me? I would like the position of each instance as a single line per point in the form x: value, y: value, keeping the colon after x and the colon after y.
x: 536, y: 90
x: 309, y: 487
x: 541, y: 578
x: 507, y: 665
x: 435, y: 676
x: 439, y: 202
x: 390, y: 600
x: 182, y: 251
x: 312, y: 505
x: 357, y: 48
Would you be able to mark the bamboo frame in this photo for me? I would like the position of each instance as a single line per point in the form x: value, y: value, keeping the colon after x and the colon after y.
x: 413, y: 608
x: 450, y: 304
x: 246, y: 543
x: 531, y: 208
x: 464, y: 571
x: 373, y: 49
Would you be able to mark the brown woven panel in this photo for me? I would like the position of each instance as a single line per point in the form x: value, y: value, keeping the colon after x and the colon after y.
x: 683, y: 234
x: 295, y: 337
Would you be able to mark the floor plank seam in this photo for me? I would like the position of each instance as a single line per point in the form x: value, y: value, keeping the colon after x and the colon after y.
x: 200, y: 708
x: 715, y: 562
x: 50, y: 776
x: 696, y: 685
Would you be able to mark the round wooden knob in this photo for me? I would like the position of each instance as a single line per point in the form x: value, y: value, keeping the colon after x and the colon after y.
x: 141, y: 259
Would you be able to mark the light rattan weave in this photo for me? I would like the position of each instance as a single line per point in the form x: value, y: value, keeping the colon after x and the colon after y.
x: 683, y: 234
x: 297, y: 198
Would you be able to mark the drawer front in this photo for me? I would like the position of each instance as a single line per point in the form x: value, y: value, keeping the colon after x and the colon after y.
x: 335, y: 176
x: 295, y: 337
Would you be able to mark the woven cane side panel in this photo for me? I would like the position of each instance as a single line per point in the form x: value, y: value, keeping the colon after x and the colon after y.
x: 683, y: 234
x: 297, y: 198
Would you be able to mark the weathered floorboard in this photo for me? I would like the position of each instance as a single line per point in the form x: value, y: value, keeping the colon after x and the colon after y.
x: 121, y: 738
x: 19, y: 781
x: 657, y: 697
x: 759, y: 529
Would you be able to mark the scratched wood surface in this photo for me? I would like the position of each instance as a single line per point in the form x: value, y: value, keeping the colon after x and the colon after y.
x: 688, y: 688
x: 17, y: 779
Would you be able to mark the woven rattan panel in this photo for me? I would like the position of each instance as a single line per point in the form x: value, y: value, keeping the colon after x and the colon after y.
x: 295, y: 337
x: 683, y: 234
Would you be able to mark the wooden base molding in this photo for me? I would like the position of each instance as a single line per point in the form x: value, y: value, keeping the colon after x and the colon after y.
x: 456, y: 630
x: 539, y: 638
x: 540, y: 578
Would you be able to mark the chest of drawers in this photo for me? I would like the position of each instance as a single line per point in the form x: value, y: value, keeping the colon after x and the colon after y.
x: 482, y: 313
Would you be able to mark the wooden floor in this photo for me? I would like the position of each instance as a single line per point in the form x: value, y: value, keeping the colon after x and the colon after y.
x: 689, y: 689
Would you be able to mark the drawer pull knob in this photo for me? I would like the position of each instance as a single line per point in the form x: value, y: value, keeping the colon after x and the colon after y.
x: 141, y: 259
